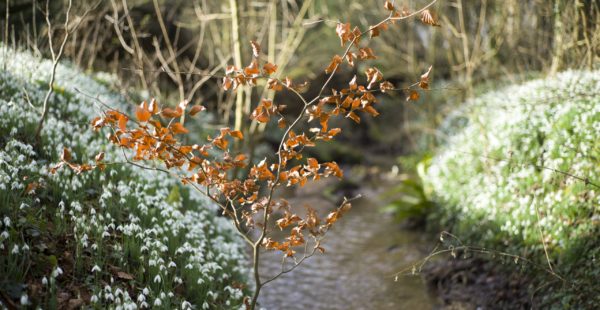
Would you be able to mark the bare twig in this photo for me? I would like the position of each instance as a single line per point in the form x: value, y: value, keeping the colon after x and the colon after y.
x: 56, y: 56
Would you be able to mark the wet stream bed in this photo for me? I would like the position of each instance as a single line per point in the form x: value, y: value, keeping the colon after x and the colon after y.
x: 363, y: 252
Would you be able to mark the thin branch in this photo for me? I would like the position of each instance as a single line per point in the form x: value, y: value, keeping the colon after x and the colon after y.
x: 55, y: 59
x: 57, y: 56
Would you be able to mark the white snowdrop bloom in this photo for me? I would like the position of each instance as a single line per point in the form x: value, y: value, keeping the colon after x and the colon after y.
x: 15, y: 249
x: 7, y: 221
x: 145, y: 291
x: 157, y: 302
x: 25, y: 247
x: 205, y: 305
x: 141, y: 298
x: 172, y: 264
x: 4, y: 235
x: 157, y: 279
x: 144, y: 305
x: 44, y: 281
x: 96, y: 268
x: 24, y: 300
x: 186, y: 305
x: 56, y: 272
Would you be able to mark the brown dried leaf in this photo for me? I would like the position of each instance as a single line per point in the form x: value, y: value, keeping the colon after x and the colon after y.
x: 424, y: 82
x: 428, y: 19
x: 196, y: 109
x: 413, y: 96
x: 388, y: 6
x: 178, y: 128
x: 124, y: 275
x: 255, y: 48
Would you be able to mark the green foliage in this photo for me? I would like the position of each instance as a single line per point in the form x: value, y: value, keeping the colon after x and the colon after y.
x: 516, y: 173
x: 409, y: 198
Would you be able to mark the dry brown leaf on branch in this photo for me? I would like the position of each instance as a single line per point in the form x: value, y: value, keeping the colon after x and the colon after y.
x: 428, y: 19
x: 255, y: 48
x: 424, y: 82
x: 196, y: 109
x: 413, y: 96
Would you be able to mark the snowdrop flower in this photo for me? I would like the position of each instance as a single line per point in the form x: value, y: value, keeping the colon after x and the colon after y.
x: 57, y: 272
x: 96, y: 268
x: 24, y: 300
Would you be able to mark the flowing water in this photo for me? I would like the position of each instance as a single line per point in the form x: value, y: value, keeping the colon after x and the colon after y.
x: 363, y: 251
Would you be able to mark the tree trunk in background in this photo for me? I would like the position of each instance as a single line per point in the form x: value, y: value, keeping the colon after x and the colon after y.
x: 237, y: 60
x: 558, y: 48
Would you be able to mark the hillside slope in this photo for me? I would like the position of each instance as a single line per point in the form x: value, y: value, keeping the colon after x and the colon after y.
x: 521, y: 171
x: 122, y: 237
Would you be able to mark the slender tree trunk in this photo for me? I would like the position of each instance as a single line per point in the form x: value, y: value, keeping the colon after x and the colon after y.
x: 557, y: 53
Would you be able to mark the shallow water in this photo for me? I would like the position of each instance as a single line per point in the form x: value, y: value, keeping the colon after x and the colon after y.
x: 363, y: 251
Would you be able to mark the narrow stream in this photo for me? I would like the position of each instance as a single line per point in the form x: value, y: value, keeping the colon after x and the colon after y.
x: 363, y: 251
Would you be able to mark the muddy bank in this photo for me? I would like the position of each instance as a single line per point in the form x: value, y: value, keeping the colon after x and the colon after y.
x: 478, y: 283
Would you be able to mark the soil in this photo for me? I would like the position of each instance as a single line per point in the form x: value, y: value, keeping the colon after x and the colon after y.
x: 478, y: 283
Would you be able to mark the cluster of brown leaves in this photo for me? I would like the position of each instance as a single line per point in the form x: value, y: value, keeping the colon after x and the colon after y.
x: 66, y: 160
x: 310, y: 224
x: 155, y: 134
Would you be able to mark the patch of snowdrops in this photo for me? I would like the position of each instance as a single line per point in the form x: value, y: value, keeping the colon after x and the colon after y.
x: 122, y: 238
x: 522, y: 171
